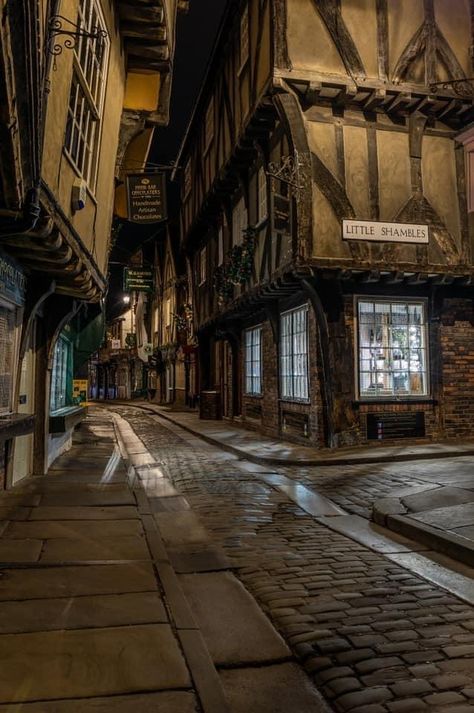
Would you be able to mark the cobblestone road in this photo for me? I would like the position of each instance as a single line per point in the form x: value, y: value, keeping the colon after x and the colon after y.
x: 374, y: 637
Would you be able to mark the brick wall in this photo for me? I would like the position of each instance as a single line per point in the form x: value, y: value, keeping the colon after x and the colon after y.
x: 457, y: 363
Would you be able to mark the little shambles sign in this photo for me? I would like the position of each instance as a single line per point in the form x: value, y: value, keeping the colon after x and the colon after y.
x: 146, y: 196
x: 137, y: 280
x: 385, y: 232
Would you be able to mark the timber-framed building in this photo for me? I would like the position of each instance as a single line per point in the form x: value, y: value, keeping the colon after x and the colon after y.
x: 326, y: 219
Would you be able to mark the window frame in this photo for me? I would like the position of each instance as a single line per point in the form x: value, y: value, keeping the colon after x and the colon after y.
x: 244, y: 32
x: 209, y: 126
x: 202, y: 266
x: 257, y: 329
x: 83, y: 133
x: 283, y: 377
x: 240, y: 221
x: 262, y: 194
x: 394, y: 398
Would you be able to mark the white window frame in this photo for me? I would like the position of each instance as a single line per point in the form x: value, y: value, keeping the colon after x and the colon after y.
x: 244, y: 38
x: 262, y: 194
x: 294, y: 355
x: 239, y: 222
x: 202, y: 266
x: 87, y: 95
x: 253, y: 361
x: 393, y: 367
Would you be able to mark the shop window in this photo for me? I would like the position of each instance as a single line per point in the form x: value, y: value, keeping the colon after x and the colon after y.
x: 262, y: 195
x: 86, y: 99
x: 294, y: 378
x: 61, y: 377
x: 239, y: 222
x: 253, y: 361
x: 392, y: 349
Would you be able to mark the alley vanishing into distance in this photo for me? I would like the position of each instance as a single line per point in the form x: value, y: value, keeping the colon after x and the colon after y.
x: 127, y: 581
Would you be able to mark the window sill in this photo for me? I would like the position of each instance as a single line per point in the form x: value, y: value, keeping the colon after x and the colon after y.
x: 15, y: 424
x: 64, y: 419
x: 302, y: 402
x: 253, y: 396
x: 406, y: 400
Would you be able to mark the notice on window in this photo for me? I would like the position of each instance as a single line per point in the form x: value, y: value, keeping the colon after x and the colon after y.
x: 146, y: 194
x: 79, y: 389
x: 385, y: 232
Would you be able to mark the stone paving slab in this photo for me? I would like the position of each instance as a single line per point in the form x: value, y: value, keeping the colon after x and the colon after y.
x: 165, y: 702
x: 371, y: 535
x: 71, y: 581
x: 179, y: 528
x: 14, y: 513
x: 20, y: 550
x: 90, y: 662
x: 72, y: 529
x: 235, y: 629
x: 125, y: 512
x: 437, y: 498
x: 447, y: 517
x: 81, y: 612
x: 283, y: 688
x: 64, y: 549
x: 210, y: 559
x: 158, y: 488
x: 168, y: 504
x: 112, y: 498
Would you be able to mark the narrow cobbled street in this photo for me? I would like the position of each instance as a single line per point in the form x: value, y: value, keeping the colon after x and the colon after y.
x: 373, y: 636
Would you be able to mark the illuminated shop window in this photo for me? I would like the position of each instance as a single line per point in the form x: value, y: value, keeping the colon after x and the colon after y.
x: 61, y: 377
x: 253, y: 361
x: 86, y: 99
x: 294, y: 354
x: 392, y: 349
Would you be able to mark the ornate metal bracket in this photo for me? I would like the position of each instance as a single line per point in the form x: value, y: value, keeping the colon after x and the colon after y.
x: 461, y: 87
x: 287, y: 172
x: 61, y: 27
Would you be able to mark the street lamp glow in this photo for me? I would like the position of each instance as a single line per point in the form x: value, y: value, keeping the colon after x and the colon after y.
x: 126, y: 299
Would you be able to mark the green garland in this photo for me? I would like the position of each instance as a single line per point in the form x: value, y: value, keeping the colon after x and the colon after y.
x: 237, y: 268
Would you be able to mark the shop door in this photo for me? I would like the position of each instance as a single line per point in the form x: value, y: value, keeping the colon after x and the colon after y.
x: 23, y: 455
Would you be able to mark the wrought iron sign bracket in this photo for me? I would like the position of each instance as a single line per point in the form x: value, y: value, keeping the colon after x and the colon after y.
x: 63, y: 33
x: 287, y: 172
x: 461, y: 87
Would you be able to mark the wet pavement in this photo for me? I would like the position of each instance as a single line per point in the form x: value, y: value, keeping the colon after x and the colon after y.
x: 380, y: 623
x: 113, y: 597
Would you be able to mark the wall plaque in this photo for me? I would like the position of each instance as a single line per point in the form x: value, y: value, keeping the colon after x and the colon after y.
x: 385, y: 232
x: 12, y: 280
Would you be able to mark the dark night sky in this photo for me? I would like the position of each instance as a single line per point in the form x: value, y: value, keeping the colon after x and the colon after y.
x: 195, y: 37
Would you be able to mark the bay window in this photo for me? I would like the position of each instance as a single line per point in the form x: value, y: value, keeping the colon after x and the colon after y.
x: 392, y: 348
x: 61, y: 377
x: 294, y: 380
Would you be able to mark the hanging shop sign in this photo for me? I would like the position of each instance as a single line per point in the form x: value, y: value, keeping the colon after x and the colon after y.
x: 137, y: 279
x: 146, y: 196
x: 12, y: 280
x: 385, y: 232
x: 281, y: 212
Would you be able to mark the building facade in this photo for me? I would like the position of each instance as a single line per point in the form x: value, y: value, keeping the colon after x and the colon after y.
x: 327, y: 220
x: 82, y: 85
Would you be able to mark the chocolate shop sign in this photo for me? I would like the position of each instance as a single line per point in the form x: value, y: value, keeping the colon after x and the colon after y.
x: 385, y: 232
x: 146, y: 197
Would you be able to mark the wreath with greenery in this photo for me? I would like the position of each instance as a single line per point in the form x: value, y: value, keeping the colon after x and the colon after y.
x: 237, y: 268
